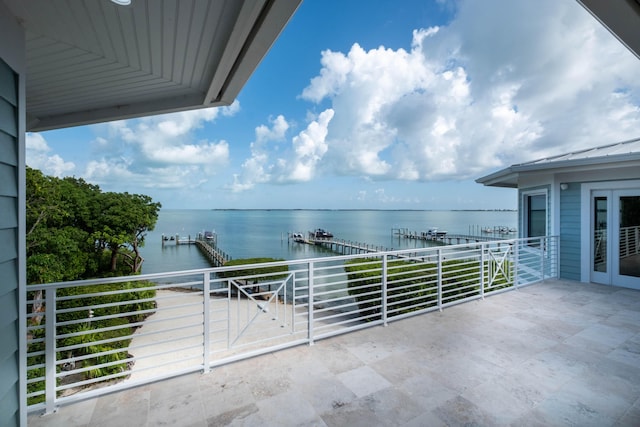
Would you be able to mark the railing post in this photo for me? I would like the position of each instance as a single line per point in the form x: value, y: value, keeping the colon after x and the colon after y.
x: 229, y: 325
x: 516, y: 261
x: 556, y: 239
x: 541, y: 258
x: 293, y: 302
x: 384, y: 289
x: 483, y: 247
x: 310, y: 302
x: 206, y: 318
x: 50, y: 350
x: 439, y: 279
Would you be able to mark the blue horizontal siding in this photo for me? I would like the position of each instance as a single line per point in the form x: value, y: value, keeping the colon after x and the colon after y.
x: 9, y: 209
x: 9, y: 277
x: 9, y: 317
x: 8, y: 180
x: 8, y: 149
x: 570, y: 244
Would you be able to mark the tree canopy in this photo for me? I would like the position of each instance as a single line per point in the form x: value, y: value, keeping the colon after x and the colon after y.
x: 76, y: 231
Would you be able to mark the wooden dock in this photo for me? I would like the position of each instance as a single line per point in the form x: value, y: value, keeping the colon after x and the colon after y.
x: 210, y: 249
x: 341, y: 246
x: 446, y: 239
x: 208, y: 246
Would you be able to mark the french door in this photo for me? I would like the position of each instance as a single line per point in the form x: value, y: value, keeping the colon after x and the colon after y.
x: 615, y: 237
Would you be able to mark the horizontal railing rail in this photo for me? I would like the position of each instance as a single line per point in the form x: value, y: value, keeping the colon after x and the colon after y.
x: 94, y: 336
x: 629, y: 241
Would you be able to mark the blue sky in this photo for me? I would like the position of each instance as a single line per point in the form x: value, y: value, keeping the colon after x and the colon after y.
x: 377, y: 105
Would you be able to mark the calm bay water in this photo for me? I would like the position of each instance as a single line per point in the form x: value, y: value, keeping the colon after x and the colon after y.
x: 263, y: 233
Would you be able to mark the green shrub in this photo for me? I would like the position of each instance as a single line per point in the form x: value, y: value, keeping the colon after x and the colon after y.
x: 92, y: 315
x: 412, y: 285
x: 267, y: 272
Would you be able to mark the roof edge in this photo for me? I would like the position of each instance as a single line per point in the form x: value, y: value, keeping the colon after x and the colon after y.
x: 508, y: 177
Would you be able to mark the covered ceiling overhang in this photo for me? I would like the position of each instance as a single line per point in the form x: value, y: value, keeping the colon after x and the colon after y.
x: 621, y: 17
x: 91, y: 61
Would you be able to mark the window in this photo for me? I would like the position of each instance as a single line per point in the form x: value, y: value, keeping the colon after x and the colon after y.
x: 536, y: 215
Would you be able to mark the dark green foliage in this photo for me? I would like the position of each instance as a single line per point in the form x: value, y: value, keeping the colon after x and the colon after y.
x: 130, y: 301
x: 75, y: 231
x: 72, y: 224
x: 89, y: 340
x: 413, y: 285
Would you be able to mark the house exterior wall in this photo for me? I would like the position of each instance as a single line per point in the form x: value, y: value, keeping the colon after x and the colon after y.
x: 563, y: 219
x: 568, y: 210
x: 569, y: 231
x: 12, y: 228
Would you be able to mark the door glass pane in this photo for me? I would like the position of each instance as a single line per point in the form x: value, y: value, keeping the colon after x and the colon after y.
x: 537, y: 216
x: 600, y: 234
x: 630, y: 236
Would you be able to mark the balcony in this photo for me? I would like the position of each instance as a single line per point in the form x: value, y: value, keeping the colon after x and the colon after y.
x: 551, y: 353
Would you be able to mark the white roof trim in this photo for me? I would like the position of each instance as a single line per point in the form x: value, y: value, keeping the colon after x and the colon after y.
x: 610, y: 155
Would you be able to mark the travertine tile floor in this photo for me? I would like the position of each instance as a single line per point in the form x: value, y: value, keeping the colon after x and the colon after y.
x: 557, y: 353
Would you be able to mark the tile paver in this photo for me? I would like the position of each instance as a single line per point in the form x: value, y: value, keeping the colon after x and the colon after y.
x: 555, y: 353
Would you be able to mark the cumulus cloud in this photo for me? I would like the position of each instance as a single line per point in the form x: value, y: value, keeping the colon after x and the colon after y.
x: 159, y: 151
x: 258, y: 168
x: 297, y: 163
x: 38, y: 156
x: 105, y: 171
x: 503, y: 82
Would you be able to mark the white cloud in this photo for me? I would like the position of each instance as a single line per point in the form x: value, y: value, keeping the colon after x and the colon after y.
x: 258, y: 168
x: 106, y: 172
x: 38, y: 156
x: 166, y: 139
x: 276, y: 132
x: 298, y: 163
x: 159, y: 151
x: 309, y: 147
x: 504, y: 82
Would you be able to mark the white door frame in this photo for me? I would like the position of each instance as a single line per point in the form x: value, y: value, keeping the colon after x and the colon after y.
x: 586, y: 212
x: 604, y: 278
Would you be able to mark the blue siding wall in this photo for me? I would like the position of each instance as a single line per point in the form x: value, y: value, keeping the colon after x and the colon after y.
x: 9, y: 355
x: 570, y: 244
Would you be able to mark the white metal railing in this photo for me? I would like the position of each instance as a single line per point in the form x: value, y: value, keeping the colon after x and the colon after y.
x: 94, y: 336
x: 629, y: 241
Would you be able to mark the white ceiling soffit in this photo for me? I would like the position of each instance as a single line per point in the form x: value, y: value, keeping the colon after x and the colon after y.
x: 90, y: 61
x: 621, y: 17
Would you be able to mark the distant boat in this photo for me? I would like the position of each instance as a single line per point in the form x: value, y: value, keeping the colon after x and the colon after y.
x: 323, y: 234
x: 434, y: 234
x: 209, y: 235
